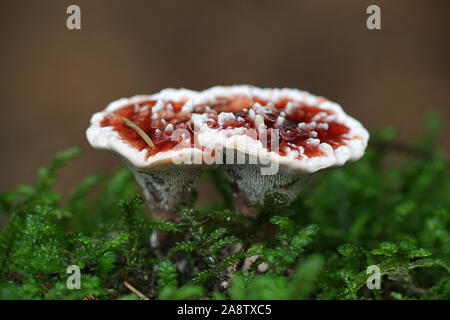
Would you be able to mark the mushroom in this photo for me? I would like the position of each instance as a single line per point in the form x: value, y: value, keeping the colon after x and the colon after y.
x: 140, y: 131
x: 311, y: 134
x: 265, y: 139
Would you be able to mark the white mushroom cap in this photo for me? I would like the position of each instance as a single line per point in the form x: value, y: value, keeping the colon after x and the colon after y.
x: 107, y: 139
x: 207, y: 107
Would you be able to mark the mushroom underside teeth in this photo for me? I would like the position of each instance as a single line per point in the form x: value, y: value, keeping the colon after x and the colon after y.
x: 166, y: 187
x: 250, y: 185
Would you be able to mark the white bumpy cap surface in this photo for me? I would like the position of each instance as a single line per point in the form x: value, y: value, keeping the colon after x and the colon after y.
x: 242, y: 99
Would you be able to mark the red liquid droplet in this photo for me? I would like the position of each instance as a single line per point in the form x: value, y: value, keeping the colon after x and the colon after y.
x: 291, y: 135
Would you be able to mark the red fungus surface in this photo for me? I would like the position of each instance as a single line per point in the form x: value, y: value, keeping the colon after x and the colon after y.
x: 314, y: 122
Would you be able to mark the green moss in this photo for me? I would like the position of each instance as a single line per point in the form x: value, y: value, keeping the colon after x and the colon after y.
x: 390, y: 209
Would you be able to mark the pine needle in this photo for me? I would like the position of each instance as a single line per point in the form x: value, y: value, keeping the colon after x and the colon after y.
x: 141, y: 132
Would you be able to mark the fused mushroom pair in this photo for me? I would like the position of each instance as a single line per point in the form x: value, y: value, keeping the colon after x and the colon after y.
x: 266, y: 140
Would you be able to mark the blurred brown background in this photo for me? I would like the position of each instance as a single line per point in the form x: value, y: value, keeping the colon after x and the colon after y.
x: 53, y: 79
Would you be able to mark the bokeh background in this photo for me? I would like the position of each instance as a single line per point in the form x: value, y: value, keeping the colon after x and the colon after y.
x: 53, y: 79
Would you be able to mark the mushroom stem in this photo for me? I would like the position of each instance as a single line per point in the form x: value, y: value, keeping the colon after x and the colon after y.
x: 251, y: 186
x: 167, y: 186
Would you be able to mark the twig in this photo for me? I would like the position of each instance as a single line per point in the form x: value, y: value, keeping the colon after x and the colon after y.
x: 135, y: 291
